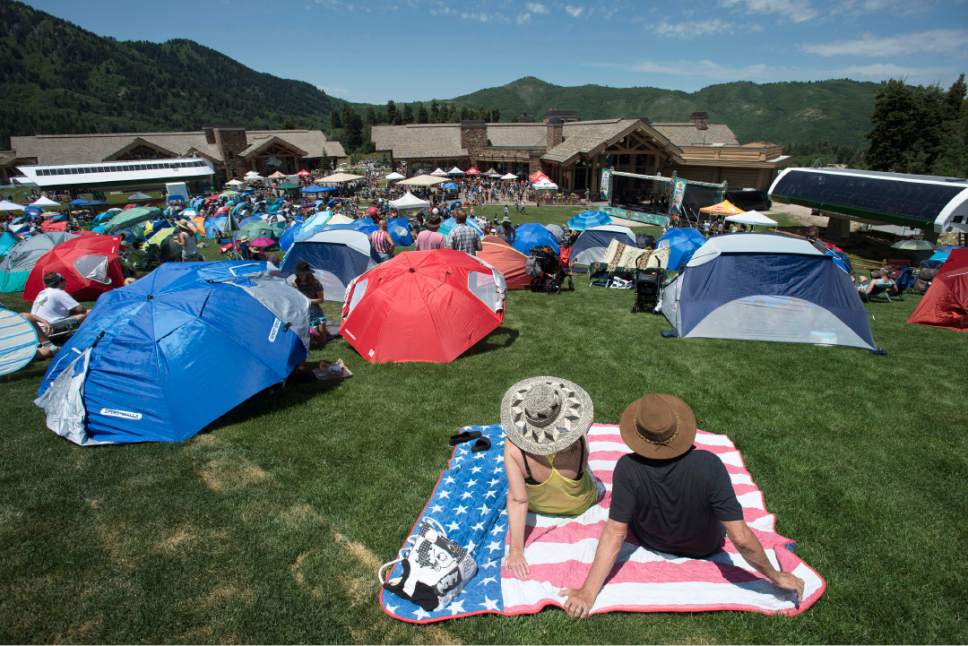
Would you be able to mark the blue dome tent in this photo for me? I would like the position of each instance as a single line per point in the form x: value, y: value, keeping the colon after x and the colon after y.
x: 766, y: 287
x: 291, y: 233
x: 682, y: 243
x: 447, y: 225
x: 529, y: 236
x: 591, y: 244
x: 159, y: 360
x: 337, y: 255
x: 364, y: 225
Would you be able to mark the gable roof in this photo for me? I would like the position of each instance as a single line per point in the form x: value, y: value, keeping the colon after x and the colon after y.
x: 50, y: 150
x: 437, y: 140
x: 687, y: 134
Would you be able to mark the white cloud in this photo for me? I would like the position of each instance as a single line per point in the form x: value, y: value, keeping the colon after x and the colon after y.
x: 794, y: 10
x: 574, y: 11
x: 536, y: 8
x: 693, y: 29
x: 523, y: 18
x: 935, y: 41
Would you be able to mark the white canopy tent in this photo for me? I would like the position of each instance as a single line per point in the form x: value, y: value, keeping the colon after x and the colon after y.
x: 338, y: 178
x: 509, y: 177
x: 545, y: 185
x: 439, y: 172
x: 455, y: 171
x: 234, y: 183
x: 752, y: 218
x: 422, y: 180
x: 277, y: 175
x: 10, y: 206
x: 43, y: 201
x: 409, y: 202
x: 393, y: 177
x: 339, y: 218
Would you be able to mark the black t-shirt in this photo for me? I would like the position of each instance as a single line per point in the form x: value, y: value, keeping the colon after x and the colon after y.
x: 675, y: 505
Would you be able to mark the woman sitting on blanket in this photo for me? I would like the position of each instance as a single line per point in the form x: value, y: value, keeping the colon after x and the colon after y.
x: 545, y: 420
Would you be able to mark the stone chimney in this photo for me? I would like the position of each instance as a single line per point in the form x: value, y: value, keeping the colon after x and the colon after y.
x: 555, y: 129
x: 700, y: 120
x: 473, y: 136
x: 232, y: 141
x: 209, y: 135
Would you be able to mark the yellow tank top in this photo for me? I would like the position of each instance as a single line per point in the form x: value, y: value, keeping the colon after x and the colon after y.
x: 560, y: 495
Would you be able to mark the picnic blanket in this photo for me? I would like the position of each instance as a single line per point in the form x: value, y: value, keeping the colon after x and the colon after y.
x: 469, y: 501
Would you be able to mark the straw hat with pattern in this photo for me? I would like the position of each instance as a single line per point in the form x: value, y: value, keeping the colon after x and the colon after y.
x: 543, y: 415
x: 660, y: 427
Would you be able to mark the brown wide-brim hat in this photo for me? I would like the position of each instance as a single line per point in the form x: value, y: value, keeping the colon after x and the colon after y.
x: 660, y: 427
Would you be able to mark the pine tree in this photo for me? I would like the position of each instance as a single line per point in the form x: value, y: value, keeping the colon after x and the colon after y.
x: 894, y: 131
x: 434, y: 111
x: 354, y: 131
x: 335, y: 123
x: 392, y: 112
x: 407, y: 113
x: 370, y: 116
x: 954, y: 99
x: 422, y: 115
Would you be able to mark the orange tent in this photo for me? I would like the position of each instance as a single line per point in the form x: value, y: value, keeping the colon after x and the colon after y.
x: 199, y: 222
x: 507, y: 260
x: 946, y: 302
x: 723, y: 208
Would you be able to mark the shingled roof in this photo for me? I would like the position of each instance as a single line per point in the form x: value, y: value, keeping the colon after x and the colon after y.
x: 52, y: 150
x: 687, y: 134
x: 415, y: 141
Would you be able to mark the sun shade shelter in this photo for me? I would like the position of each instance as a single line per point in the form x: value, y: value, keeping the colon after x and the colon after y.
x: 338, y: 178
x: 160, y: 359
x: 766, y: 287
x: 592, y: 244
x: 7, y: 205
x: 752, y: 219
x: 721, y: 208
x: 423, y: 306
x: 22, y: 257
x: 544, y: 185
x: 922, y: 201
x: 409, y: 202
x: 395, y: 176
x: 946, y: 302
x: 507, y: 260
x: 90, y: 264
x: 399, y: 229
x: 423, y: 180
x: 18, y: 341
x: 337, y: 256
x: 439, y: 172
x: 531, y: 235
x: 509, y: 177
x: 130, y: 217
x: 588, y: 219
x: 448, y: 225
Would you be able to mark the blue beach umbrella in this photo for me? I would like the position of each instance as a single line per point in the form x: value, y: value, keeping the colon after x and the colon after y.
x: 447, y: 225
x: 682, y: 243
x: 399, y: 229
x: 588, y: 219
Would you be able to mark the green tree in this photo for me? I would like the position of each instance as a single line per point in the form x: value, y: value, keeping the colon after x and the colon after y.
x: 955, y: 98
x: 422, y: 115
x: 894, y: 131
x: 407, y: 113
x: 434, y: 111
x: 392, y: 112
x: 354, y: 130
x: 370, y: 116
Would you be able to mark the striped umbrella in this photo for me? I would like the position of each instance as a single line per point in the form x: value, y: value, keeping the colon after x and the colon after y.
x: 588, y: 220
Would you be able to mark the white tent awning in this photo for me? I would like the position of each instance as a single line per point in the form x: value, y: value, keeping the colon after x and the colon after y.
x: 392, y: 177
x: 509, y: 176
x: 423, y: 180
x: 10, y: 206
x: 439, y: 172
x: 338, y: 178
x: 409, y: 201
x: 43, y: 201
x: 752, y: 218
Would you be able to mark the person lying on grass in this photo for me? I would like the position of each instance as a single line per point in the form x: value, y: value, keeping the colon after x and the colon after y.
x: 675, y: 498
x: 545, y: 420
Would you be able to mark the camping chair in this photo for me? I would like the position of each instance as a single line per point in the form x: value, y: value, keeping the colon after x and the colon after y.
x: 647, y: 285
x: 881, y: 292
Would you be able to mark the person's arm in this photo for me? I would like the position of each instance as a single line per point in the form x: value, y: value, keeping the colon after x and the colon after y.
x: 752, y: 550
x: 578, y: 603
x: 517, y: 507
x: 477, y: 243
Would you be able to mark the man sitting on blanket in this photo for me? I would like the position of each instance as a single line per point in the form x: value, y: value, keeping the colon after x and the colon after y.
x: 676, y: 498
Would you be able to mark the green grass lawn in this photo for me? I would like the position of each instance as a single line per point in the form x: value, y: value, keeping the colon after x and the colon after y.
x: 269, y: 527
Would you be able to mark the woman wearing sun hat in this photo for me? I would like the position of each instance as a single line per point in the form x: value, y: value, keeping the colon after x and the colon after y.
x: 545, y: 420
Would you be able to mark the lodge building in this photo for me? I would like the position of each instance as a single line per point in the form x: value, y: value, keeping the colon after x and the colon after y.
x: 230, y: 151
x: 573, y: 152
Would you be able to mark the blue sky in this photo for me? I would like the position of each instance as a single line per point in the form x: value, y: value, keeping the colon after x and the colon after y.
x: 420, y: 49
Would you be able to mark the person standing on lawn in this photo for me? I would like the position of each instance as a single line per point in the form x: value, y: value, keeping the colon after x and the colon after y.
x: 675, y: 498
x: 463, y: 237
x: 431, y: 238
x: 382, y: 242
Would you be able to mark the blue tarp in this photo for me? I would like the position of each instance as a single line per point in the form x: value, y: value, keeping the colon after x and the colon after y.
x: 531, y: 235
x: 449, y: 186
x: 82, y: 203
x: 941, y: 254
x: 682, y: 243
x: 399, y: 229
x: 7, y: 240
x: 313, y: 190
x: 366, y: 225
x: 447, y: 225
x: 178, y: 349
x: 215, y: 227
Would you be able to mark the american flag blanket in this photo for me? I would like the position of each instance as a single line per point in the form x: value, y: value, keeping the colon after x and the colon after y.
x: 469, y: 502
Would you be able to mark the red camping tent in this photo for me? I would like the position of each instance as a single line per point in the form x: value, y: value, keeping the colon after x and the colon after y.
x: 91, y: 264
x: 507, y: 260
x: 428, y: 306
x: 472, y: 171
x: 946, y: 302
